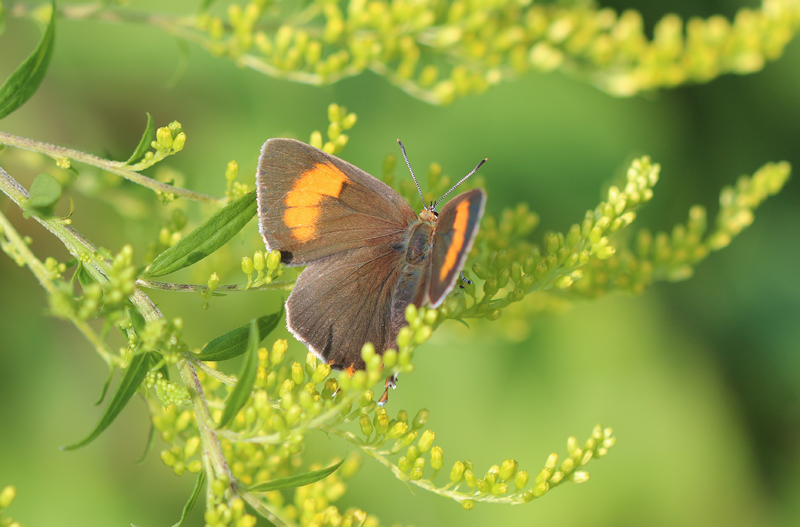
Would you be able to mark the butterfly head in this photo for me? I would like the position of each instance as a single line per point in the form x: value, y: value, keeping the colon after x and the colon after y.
x: 429, y: 213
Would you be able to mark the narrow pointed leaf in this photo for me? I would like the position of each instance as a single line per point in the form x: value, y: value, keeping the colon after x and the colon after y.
x: 198, y: 488
x: 44, y: 195
x: 131, y: 381
x: 164, y: 369
x: 137, y: 320
x: 25, y: 80
x: 144, y: 142
x: 234, y: 342
x: 241, y: 392
x: 151, y: 436
x: 297, y: 480
x: 84, y: 278
x: 205, y: 239
x: 106, y: 385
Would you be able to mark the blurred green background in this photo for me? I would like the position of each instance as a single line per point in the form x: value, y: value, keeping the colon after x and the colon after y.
x: 700, y: 379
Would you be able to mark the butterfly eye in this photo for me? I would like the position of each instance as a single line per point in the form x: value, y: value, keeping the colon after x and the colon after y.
x: 436, y: 214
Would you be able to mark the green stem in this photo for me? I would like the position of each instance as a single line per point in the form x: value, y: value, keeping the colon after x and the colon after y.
x: 205, y: 423
x: 218, y: 375
x: 425, y: 484
x: 285, y: 285
x: 115, y: 167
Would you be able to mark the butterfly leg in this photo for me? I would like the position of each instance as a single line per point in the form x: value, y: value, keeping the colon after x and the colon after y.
x: 465, y: 280
x: 391, y: 382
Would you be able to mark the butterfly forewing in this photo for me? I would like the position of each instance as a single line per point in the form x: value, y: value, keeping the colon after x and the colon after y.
x: 312, y: 205
x: 455, y: 232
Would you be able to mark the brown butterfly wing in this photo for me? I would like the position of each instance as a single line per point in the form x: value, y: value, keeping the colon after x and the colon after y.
x: 455, y: 232
x: 342, y: 302
x: 312, y: 204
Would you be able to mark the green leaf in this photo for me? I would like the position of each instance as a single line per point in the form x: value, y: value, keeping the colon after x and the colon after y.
x: 234, y: 342
x: 23, y: 83
x: 241, y: 392
x: 297, y: 480
x: 131, y: 381
x: 163, y: 369
x: 150, y: 440
x: 44, y: 195
x: 84, y: 277
x: 106, y: 385
x: 137, y: 320
x: 144, y: 142
x: 198, y: 487
x: 205, y: 239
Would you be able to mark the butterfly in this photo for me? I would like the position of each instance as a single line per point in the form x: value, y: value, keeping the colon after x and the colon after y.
x: 367, y: 254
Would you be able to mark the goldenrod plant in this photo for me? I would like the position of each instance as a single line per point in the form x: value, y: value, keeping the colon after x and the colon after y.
x: 244, y: 437
x: 440, y: 51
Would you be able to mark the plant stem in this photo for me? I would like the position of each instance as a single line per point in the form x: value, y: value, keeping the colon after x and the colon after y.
x: 115, y: 167
x: 514, y: 499
x: 285, y: 285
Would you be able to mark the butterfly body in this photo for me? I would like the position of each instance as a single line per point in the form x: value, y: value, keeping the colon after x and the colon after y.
x: 368, y: 255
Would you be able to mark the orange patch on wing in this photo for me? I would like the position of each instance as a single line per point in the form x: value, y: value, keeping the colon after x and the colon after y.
x: 459, y: 235
x: 302, y: 202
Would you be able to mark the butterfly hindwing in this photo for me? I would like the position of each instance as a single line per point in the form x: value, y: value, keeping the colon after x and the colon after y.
x: 455, y: 232
x: 344, y: 301
x: 312, y: 205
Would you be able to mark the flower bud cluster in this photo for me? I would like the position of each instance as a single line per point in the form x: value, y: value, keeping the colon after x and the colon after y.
x: 168, y: 392
x: 235, y: 189
x: 672, y: 256
x: 313, y: 504
x: 340, y: 121
x: 311, y: 513
x: 419, y: 329
x: 109, y: 297
x: 486, y: 43
x: 267, y: 266
x: 287, y: 399
x: 225, y: 510
x: 266, y: 439
x: 505, y: 483
x: 160, y: 335
x: 177, y: 428
x: 508, y: 267
x: 169, y: 140
x: 571, y: 467
x: 121, y: 278
x: 10, y: 249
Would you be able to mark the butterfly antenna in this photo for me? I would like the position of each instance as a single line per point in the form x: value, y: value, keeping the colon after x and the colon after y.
x: 412, y: 171
x: 436, y: 203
